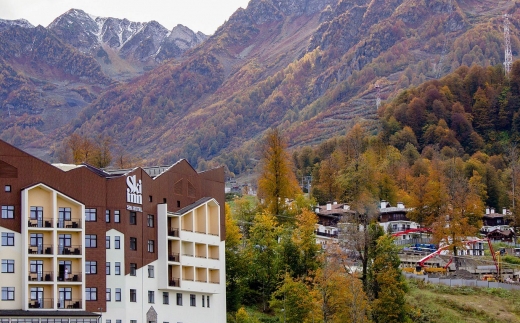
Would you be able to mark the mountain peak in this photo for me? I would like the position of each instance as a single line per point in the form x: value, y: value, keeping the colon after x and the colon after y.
x: 5, y: 24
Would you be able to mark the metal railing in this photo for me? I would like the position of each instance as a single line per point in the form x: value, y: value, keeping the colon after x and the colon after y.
x: 69, y: 250
x: 43, y: 249
x: 40, y: 223
x: 174, y: 282
x: 174, y: 257
x: 69, y: 304
x: 41, y: 303
x: 325, y: 234
x: 69, y: 224
x: 42, y: 276
x: 70, y: 277
x: 173, y: 232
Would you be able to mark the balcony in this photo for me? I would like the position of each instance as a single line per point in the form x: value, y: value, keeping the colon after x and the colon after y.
x: 69, y: 224
x: 70, y: 277
x: 173, y: 232
x: 43, y: 249
x: 47, y: 303
x: 174, y: 282
x: 70, y: 304
x: 325, y: 234
x: 174, y: 257
x: 44, y: 276
x: 41, y: 223
x: 70, y: 250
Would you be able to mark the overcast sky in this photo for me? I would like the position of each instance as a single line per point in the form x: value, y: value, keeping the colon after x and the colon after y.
x: 198, y: 15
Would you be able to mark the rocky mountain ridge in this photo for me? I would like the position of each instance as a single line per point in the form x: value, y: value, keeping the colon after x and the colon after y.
x: 135, y: 41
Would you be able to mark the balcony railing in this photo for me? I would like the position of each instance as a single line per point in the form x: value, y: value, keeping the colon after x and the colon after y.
x: 173, y: 232
x: 174, y: 257
x: 174, y: 282
x: 325, y: 234
x: 43, y: 276
x: 69, y: 304
x: 70, y: 250
x: 69, y: 224
x: 41, y: 303
x: 41, y: 223
x: 70, y: 277
x: 201, y: 280
x: 43, y: 249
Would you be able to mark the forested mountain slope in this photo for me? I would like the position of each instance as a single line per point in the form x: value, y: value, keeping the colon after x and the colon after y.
x: 306, y: 66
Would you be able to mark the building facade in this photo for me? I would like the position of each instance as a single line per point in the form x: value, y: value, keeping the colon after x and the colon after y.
x: 158, y: 232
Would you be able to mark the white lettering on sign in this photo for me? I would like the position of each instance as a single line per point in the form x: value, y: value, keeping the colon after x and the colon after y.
x: 134, y: 208
x: 134, y: 190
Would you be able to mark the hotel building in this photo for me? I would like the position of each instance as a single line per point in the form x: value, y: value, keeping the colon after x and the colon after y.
x: 84, y: 245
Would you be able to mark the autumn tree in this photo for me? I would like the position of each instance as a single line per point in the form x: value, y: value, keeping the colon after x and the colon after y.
x: 338, y: 295
x: 263, y: 248
x: 235, y: 263
x: 387, y: 286
x: 277, y: 181
x: 292, y: 301
x: 82, y: 149
x: 462, y: 208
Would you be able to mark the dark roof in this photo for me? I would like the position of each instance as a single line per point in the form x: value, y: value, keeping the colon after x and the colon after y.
x: 192, y: 206
x: 394, y: 209
x: 493, y: 215
x: 15, y: 313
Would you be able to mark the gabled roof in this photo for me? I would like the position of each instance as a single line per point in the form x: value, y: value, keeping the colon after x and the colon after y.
x: 192, y: 206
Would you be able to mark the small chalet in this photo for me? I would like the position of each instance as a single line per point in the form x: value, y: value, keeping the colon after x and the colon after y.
x: 393, y: 218
x: 498, y: 235
x: 492, y: 219
x: 328, y: 217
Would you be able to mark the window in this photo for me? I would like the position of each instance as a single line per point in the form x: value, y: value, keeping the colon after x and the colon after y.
x: 117, y: 217
x: 133, y: 295
x: 64, y: 240
x: 36, y: 212
x: 7, y: 188
x: 90, y: 241
x: 109, y: 295
x: 193, y: 300
x: 203, y: 301
x: 133, y: 243
x: 207, y: 301
x: 107, y: 216
x: 133, y: 269
x: 132, y: 321
x: 150, y: 245
x: 7, y: 266
x: 166, y: 298
x: 150, y: 271
x: 90, y: 267
x: 179, y: 299
x: 8, y: 293
x: 117, y: 242
x: 91, y: 294
x: 178, y: 203
x: 117, y: 268
x: 7, y: 211
x: 90, y: 215
x: 118, y: 295
x: 133, y: 217
x: 108, y: 268
x: 108, y: 321
x: 119, y: 321
x: 151, y: 296
x: 150, y: 198
x: 7, y: 239
x: 65, y: 213
x: 150, y: 220
x: 107, y: 242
